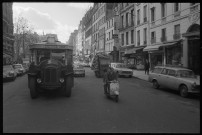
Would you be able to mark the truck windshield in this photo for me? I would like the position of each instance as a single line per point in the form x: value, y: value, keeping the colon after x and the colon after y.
x: 47, y: 54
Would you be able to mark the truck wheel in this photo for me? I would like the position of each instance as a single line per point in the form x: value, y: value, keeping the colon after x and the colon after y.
x: 183, y: 91
x: 67, y: 90
x: 33, y: 88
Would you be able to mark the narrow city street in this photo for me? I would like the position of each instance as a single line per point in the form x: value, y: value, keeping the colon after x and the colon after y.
x: 141, y: 109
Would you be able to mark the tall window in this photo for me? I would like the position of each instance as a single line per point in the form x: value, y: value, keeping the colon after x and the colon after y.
x: 145, y: 13
x: 153, y: 14
x: 138, y: 37
x: 126, y: 38
x: 163, y: 35
x: 122, y: 39
x: 109, y: 35
x: 138, y: 16
x: 176, y: 32
x: 132, y: 39
x: 176, y: 7
x: 153, y: 37
x: 177, y: 29
x: 122, y: 21
x: 163, y: 10
x: 132, y: 16
x: 145, y: 36
x: 126, y: 19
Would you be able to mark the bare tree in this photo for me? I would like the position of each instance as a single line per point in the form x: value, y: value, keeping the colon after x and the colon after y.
x: 24, y: 36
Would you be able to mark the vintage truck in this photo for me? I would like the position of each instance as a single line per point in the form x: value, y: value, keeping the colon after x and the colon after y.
x: 51, y: 67
x: 100, y: 62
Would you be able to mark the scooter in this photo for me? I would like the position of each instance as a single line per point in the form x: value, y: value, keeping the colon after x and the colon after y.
x: 113, y: 91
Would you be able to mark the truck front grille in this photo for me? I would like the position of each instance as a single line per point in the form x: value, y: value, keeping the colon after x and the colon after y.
x: 50, y: 75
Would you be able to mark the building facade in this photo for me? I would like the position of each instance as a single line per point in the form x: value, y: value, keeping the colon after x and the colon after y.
x: 170, y: 40
x: 8, y: 38
x: 126, y: 32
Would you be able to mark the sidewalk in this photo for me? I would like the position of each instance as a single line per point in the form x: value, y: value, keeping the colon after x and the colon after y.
x: 140, y: 74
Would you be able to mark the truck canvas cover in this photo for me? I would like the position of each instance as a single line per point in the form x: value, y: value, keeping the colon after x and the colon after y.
x: 101, y: 58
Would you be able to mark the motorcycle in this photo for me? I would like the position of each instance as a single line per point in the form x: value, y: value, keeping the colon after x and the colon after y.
x: 113, y: 91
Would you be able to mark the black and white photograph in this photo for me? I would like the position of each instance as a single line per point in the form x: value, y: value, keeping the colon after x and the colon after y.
x: 90, y: 67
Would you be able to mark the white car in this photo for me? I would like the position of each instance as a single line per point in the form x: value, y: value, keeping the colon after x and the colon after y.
x: 176, y: 78
x: 121, y: 69
x: 9, y: 72
x: 19, y: 69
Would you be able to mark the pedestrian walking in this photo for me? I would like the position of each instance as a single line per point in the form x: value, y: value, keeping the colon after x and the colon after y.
x: 146, y: 67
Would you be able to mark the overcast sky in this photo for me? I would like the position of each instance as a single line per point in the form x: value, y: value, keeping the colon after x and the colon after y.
x: 56, y: 18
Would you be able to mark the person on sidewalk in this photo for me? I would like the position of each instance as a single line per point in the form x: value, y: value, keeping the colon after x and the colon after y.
x: 146, y: 67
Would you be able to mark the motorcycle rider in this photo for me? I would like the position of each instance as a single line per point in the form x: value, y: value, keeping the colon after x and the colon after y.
x: 109, y: 75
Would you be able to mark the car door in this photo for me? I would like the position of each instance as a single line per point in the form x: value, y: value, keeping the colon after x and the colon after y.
x: 171, y: 79
x: 162, y: 77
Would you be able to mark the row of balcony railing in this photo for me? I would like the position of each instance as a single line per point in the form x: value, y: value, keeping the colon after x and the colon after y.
x: 163, y: 39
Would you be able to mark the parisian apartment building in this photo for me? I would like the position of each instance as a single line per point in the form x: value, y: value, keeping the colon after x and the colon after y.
x: 8, y: 38
x: 130, y: 33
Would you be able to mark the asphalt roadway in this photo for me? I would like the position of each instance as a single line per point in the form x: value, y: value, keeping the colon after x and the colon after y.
x: 141, y: 109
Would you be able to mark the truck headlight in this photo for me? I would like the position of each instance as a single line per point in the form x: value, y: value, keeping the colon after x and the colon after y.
x: 38, y: 80
x: 61, y: 80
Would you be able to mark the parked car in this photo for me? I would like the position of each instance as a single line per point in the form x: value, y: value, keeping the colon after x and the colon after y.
x: 122, y: 69
x: 79, y: 70
x: 176, y: 78
x: 19, y: 69
x: 9, y: 73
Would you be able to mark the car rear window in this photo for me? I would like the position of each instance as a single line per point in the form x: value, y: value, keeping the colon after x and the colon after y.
x: 157, y: 70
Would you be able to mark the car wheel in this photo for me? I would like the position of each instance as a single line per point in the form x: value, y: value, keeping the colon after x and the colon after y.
x: 155, y: 84
x: 33, y: 88
x: 67, y: 89
x: 130, y: 76
x: 183, y: 91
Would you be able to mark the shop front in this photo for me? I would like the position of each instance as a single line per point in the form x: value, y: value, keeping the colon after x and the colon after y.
x: 169, y: 53
x: 192, y: 48
x: 136, y: 57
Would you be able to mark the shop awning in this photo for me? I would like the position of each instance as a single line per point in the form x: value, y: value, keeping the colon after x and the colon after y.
x: 188, y: 34
x: 156, y: 47
x: 133, y: 50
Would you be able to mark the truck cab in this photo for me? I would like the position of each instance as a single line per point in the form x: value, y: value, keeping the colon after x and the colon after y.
x: 51, y: 67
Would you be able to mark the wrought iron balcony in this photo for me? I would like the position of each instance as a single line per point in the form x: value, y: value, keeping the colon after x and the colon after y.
x: 153, y: 40
x: 163, y: 39
x: 176, y: 36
